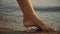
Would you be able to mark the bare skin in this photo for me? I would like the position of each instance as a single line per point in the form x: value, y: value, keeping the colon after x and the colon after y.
x: 30, y: 17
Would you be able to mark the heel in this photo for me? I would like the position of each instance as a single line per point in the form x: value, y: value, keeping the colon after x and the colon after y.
x: 28, y: 23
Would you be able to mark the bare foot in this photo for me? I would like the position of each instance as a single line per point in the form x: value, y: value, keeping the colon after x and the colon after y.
x: 30, y: 17
x: 29, y: 23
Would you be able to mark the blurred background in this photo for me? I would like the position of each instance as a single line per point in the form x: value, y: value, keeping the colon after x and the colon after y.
x: 11, y: 15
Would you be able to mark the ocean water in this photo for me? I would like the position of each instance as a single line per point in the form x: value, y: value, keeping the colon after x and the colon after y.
x: 11, y: 15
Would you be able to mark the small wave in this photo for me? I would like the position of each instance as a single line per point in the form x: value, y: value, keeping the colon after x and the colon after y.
x: 48, y: 9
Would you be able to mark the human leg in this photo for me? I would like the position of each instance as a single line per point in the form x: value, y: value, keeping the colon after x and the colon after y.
x: 30, y: 17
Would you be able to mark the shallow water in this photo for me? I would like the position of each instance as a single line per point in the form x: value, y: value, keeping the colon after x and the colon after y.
x: 11, y: 15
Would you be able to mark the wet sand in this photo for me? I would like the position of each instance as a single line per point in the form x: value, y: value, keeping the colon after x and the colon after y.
x: 19, y: 32
x: 9, y: 31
